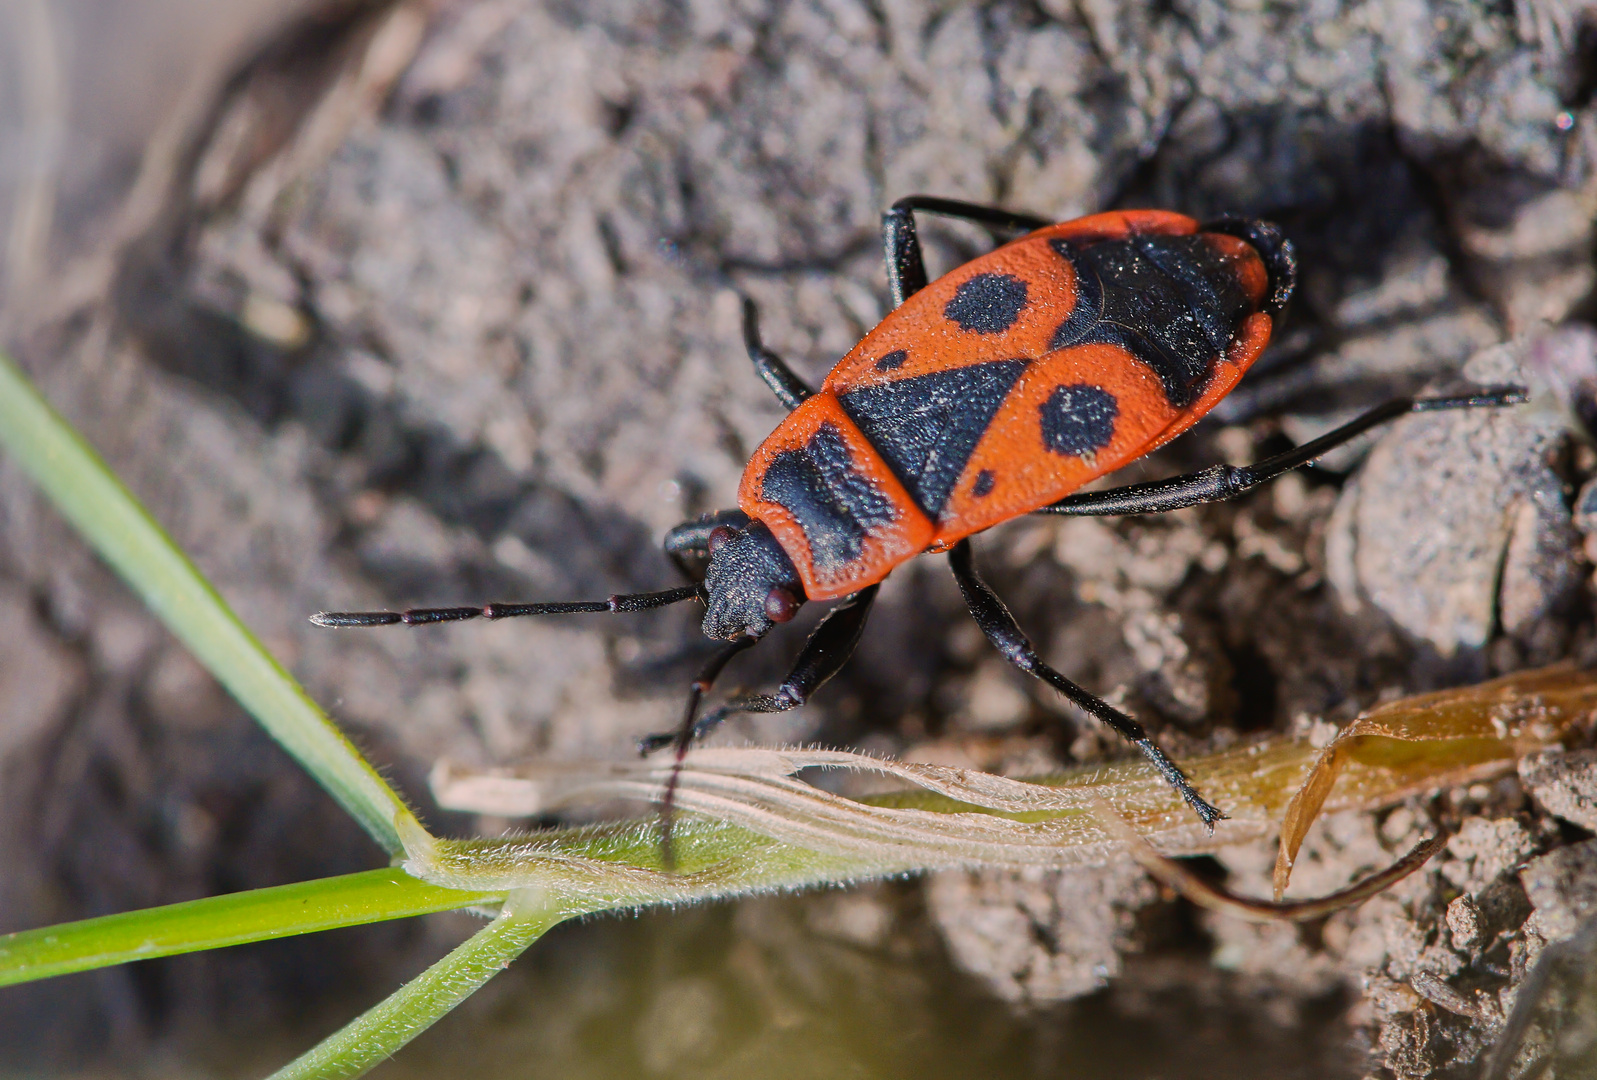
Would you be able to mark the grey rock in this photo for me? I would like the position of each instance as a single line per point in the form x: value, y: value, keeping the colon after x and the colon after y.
x: 1563, y: 364
x: 1186, y: 673
x: 1584, y: 514
x: 1564, y: 783
x: 1503, y: 907
x: 1562, y: 886
x: 1039, y: 936
x: 1457, y: 524
x: 1484, y: 849
x: 1466, y: 923
x: 995, y: 698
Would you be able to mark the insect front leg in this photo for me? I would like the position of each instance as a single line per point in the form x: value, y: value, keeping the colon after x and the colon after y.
x: 906, y: 267
x: 682, y: 738
x: 824, y: 654
x: 827, y: 649
x: 789, y: 389
x: 1001, y: 629
x: 688, y: 545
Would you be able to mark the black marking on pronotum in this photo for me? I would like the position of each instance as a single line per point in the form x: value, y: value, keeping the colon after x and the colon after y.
x: 983, y: 486
x: 927, y: 426
x: 1078, y: 420
x: 1173, y: 302
x: 834, y: 505
x: 987, y: 303
x: 892, y: 361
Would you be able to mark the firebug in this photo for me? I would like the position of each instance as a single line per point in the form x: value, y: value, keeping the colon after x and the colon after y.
x: 997, y: 390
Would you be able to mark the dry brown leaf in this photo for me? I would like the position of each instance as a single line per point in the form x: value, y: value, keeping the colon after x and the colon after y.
x: 1437, y: 740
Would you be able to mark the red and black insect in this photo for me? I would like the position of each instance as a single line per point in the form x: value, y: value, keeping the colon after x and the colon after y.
x: 995, y: 391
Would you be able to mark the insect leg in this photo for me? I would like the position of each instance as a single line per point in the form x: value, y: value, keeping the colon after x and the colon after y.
x: 823, y: 655
x: 1001, y: 629
x: 789, y: 389
x: 1219, y: 482
x: 688, y: 544
x: 420, y: 616
x: 683, y: 738
x: 906, y: 269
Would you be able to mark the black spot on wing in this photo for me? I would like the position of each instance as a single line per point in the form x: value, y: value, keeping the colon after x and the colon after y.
x: 983, y: 486
x: 987, y: 303
x: 926, y: 427
x: 1078, y: 420
x: 1173, y: 302
x: 892, y: 361
x: 835, y: 506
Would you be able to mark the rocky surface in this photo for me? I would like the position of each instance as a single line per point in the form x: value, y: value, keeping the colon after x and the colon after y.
x: 1496, y: 554
x: 1040, y: 936
x: 439, y: 307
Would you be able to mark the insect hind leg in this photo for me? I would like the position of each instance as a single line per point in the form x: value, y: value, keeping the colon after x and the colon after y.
x: 1220, y: 482
x: 1001, y: 629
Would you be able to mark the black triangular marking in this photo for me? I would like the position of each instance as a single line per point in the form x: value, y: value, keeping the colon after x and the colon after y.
x: 926, y: 427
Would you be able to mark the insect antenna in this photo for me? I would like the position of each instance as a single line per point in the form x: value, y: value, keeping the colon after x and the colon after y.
x: 423, y: 616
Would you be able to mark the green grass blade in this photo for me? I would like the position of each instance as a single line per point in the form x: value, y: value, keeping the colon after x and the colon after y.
x: 90, y: 496
x: 217, y: 921
x: 382, y: 1030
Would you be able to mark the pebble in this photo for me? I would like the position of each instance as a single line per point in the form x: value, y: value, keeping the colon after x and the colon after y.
x: 1564, y: 783
x: 1457, y: 523
x: 1562, y: 886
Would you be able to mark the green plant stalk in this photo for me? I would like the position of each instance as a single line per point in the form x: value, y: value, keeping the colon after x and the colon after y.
x: 714, y: 859
x: 74, y: 477
x: 218, y: 921
x: 382, y: 1030
x: 617, y: 865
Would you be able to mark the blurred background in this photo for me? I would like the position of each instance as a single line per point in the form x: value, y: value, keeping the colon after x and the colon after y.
x: 382, y: 303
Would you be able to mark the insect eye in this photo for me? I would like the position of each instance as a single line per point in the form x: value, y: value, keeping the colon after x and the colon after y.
x: 780, y: 605
x: 718, y: 536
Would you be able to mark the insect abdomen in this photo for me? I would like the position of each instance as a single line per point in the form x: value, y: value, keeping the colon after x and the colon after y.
x: 1011, y: 382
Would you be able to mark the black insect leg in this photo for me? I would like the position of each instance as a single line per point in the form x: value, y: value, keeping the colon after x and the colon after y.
x: 823, y: 655
x: 683, y: 738
x: 1221, y: 482
x: 906, y: 269
x: 421, y: 616
x: 1005, y: 634
x: 789, y: 389
x: 688, y: 545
